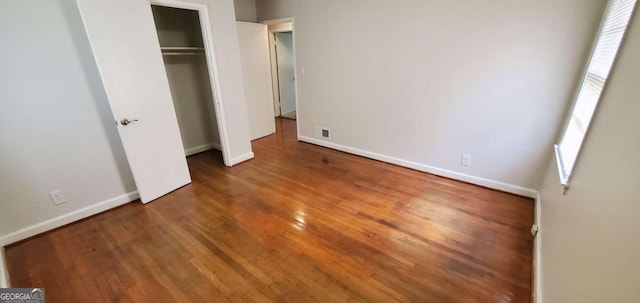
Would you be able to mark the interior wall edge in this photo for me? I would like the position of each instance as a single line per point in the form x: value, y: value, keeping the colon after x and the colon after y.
x: 65, y: 219
x: 492, y: 184
x: 4, y: 277
x: 242, y: 158
x: 537, y: 253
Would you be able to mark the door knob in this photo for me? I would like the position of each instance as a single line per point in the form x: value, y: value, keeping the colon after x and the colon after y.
x: 126, y: 121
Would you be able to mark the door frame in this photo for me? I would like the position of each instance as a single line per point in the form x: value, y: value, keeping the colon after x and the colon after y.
x: 212, y: 67
x: 278, y: 26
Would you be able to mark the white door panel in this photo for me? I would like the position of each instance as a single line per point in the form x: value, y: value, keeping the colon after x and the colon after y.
x: 126, y: 49
x: 256, y: 73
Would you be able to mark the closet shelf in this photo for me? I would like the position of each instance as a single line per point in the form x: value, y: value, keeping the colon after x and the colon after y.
x: 181, y: 50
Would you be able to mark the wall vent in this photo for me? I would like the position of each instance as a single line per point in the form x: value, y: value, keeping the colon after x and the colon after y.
x: 322, y: 133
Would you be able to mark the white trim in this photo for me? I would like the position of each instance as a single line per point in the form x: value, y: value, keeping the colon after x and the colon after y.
x: 295, y: 75
x: 212, y: 67
x: 273, y: 62
x: 242, y: 158
x: 280, y: 27
x: 277, y: 21
x: 4, y: 275
x: 564, y: 178
x: 201, y: 148
x: 267, y: 135
x: 537, y: 253
x: 65, y: 219
x: 510, y: 188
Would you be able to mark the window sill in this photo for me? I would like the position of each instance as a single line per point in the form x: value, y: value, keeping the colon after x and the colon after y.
x: 564, y: 179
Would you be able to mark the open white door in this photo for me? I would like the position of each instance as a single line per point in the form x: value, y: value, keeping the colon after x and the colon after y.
x: 256, y: 73
x: 126, y: 49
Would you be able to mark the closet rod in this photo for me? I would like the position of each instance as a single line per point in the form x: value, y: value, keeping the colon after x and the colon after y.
x: 180, y: 54
x: 182, y: 48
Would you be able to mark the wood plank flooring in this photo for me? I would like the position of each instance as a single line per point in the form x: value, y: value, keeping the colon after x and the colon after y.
x: 299, y: 223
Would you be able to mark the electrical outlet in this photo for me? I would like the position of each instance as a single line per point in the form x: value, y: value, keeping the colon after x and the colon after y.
x: 322, y: 132
x: 57, y: 197
x: 466, y: 160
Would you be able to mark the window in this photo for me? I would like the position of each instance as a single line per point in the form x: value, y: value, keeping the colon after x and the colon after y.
x: 612, y: 30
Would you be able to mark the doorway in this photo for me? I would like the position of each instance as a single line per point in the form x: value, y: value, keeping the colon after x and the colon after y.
x: 183, y: 52
x: 283, y: 68
x: 286, y: 74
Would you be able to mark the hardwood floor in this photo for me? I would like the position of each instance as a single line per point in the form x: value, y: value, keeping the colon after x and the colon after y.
x: 299, y: 223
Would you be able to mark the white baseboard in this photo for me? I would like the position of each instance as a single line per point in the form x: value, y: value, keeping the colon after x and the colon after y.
x: 241, y: 158
x: 510, y: 188
x: 202, y: 148
x: 537, y: 254
x: 4, y: 276
x: 263, y: 136
x: 65, y: 219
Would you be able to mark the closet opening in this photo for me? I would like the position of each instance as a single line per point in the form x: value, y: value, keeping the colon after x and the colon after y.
x: 185, y: 58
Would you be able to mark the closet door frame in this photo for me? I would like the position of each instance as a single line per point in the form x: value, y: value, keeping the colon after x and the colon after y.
x: 207, y: 40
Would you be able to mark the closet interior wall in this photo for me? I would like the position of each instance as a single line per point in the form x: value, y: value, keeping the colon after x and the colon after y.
x: 186, y: 66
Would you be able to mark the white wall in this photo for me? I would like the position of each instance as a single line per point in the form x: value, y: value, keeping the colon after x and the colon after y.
x: 246, y: 10
x: 56, y: 128
x: 590, y: 237
x: 192, y: 99
x: 177, y: 27
x: 422, y: 82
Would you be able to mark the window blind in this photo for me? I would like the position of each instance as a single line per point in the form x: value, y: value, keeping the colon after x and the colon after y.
x: 612, y: 31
